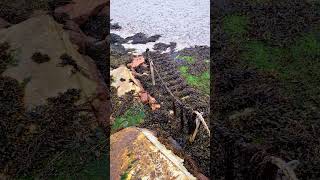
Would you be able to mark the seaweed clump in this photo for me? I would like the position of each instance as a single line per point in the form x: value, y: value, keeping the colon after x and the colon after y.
x: 40, y: 58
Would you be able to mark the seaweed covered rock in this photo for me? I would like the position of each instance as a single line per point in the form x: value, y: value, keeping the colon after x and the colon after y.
x: 49, y: 78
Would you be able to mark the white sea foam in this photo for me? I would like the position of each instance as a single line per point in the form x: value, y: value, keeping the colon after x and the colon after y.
x: 186, y: 22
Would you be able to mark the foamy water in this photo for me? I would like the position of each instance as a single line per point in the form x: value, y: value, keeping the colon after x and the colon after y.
x: 186, y: 22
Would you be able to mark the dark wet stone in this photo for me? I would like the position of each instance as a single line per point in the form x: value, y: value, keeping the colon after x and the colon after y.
x: 117, y: 39
x: 115, y: 26
x: 117, y: 49
x: 96, y: 27
x: 173, y: 45
x: 97, y: 52
x: 161, y: 47
x: 154, y: 38
x: 141, y: 38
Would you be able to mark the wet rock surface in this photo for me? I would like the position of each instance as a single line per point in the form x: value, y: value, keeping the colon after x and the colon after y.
x: 116, y: 39
x: 117, y: 49
x: 161, y: 46
x: 97, y: 27
x: 141, y: 38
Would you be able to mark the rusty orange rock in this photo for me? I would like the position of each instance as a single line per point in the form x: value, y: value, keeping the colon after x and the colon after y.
x: 144, y: 97
x: 136, y: 61
x: 137, y: 154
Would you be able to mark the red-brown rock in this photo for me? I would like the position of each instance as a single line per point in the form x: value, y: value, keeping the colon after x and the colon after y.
x: 201, y: 177
x: 71, y: 25
x: 104, y: 11
x: 144, y: 97
x: 76, y: 35
x: 80, y: 10
x: 78, y: 39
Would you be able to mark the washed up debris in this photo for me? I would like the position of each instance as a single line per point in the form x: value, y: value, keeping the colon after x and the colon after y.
x: 145, y: 97
x: 137, y: 60
x: 199, y: 119
x: 286, y: 170
x: 124, y: 81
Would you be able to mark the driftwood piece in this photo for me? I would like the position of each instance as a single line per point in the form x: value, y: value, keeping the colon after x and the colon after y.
x: 199, y: 119
x: 284, y: 168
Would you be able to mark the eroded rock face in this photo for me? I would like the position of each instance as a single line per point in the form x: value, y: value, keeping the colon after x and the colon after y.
x: 137, y: 153
x: 42, y: 34
x: 81, y: 10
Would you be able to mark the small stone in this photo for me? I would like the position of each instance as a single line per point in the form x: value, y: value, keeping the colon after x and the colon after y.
x: 171, y: 112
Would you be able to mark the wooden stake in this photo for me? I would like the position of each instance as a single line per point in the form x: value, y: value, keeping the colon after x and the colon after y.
x: 181, y: 119
x: 174, y: 108
x: 152, y: 73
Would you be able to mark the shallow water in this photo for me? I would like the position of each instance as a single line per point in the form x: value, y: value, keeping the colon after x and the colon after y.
x: 186, y: 22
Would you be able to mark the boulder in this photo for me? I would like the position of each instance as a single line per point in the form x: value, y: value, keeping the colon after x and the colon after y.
x: 117, y: 39
x: 161, y: 47
x: 43, y: 35
x: 136, y: 153
x: 80, y: 10
x: 97, y: 27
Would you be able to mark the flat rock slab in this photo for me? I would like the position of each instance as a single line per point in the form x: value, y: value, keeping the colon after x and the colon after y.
x: 42, y: 34
x: 137, y: 154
